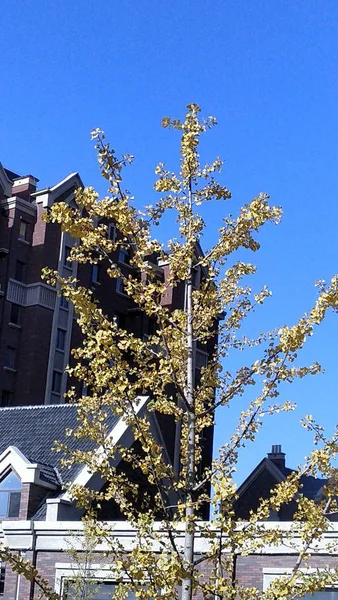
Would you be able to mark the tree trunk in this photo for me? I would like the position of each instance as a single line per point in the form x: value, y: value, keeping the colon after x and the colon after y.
x: 189, y: 537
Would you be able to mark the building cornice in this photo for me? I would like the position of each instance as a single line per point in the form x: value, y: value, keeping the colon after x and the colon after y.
x: 49, y: 195
x: 59, y: 535
x: 14, y: 202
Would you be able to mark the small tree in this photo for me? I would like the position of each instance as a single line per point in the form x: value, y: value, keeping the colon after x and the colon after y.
x: 117, y: 367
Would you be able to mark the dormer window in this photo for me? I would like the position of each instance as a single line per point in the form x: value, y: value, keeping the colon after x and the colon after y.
x: 10, y: 496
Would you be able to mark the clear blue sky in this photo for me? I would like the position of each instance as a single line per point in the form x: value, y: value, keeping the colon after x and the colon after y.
x: 266, y: 69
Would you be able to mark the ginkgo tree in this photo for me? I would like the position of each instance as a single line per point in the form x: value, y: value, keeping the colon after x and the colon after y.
x: 117, y: 367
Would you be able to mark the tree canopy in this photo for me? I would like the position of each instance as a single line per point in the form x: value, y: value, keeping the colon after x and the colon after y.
x: 117, y: 367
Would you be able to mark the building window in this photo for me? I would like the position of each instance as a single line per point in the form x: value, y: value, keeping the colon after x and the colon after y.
x: 201, y: 359
x: 95, y: 273
x: 23, y: 230
x: 10, y: 496
x: 120, y: 286
x: 19, y: 270
x: 196, y: 277
x: 124, y: 256
x: 151, y: 326
x: 2, y: 580
x: 64, y: 303
x: 91, y: 589
x: 56, y: 382
x: 10, y: 358
x: 66, y: 262
x: 6, y: 398
x: 60, y: 338
x: 272, y: 573
x: 112, y: 232
x: 14, y: 318
x: 120, y: 320
x: 322, y: 595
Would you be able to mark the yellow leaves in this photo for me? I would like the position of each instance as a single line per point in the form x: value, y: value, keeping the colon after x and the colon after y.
x: 224, y: 488
x: 263, y: 294
x: 167, y: 182
x: 293, y: 338
x: 238, y: 232
x: 117, y: 365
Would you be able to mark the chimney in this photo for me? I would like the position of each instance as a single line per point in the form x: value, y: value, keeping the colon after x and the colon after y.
x: 23, y: 187
x: 277, y: 456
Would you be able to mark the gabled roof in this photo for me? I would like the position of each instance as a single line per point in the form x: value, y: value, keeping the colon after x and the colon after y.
x: 267, y: 464
x: 27, y: 436
x: 66, y: 187
x: 28, y: 471
x: 34, y: 429
x: 5, y: 181
x: 310, y: 486
x: 269, y: 472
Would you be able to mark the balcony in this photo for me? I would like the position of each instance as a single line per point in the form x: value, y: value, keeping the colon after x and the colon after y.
x: 31, y: 295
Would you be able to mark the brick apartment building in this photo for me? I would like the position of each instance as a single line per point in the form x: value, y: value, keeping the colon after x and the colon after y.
x: 36, y: 325
x: 37, y: 328
x: 37, y: 331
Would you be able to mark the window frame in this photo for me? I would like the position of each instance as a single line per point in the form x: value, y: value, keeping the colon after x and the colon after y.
x: 119, y: 286
x: 98, y: 582
x: 112, y: 232
x: 121, y: 319
x: 10, y: 358
x: 124, y: 254
x: 64, y: 304
x: 19, y: 274
x: 55, y: 373
x: 23, y: 235
x: 63, y: 336
x: 196, y: 277
x: 95, y: 274
x: 9, y: 397
x: 272, y: 573
x: 204, y: 355
x: 66, y: 253
x: 65, y: 572
x: 15, y: 311
x: 9, y: 493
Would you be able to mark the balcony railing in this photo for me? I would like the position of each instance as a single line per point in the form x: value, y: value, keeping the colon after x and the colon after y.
x: 31, y: 295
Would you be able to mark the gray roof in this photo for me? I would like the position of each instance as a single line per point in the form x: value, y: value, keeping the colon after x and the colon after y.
x: 34, y: 429
x: 310, y: 486
x: 11, y: 174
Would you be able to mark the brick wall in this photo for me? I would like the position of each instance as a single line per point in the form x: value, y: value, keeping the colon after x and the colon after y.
x: 31, y: 497
x: 249, y: 570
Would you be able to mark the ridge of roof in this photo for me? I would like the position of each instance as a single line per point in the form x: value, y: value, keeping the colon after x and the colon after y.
x: 35, y: 406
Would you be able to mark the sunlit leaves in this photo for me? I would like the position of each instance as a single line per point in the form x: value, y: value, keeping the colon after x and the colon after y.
x: 116, y: 366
